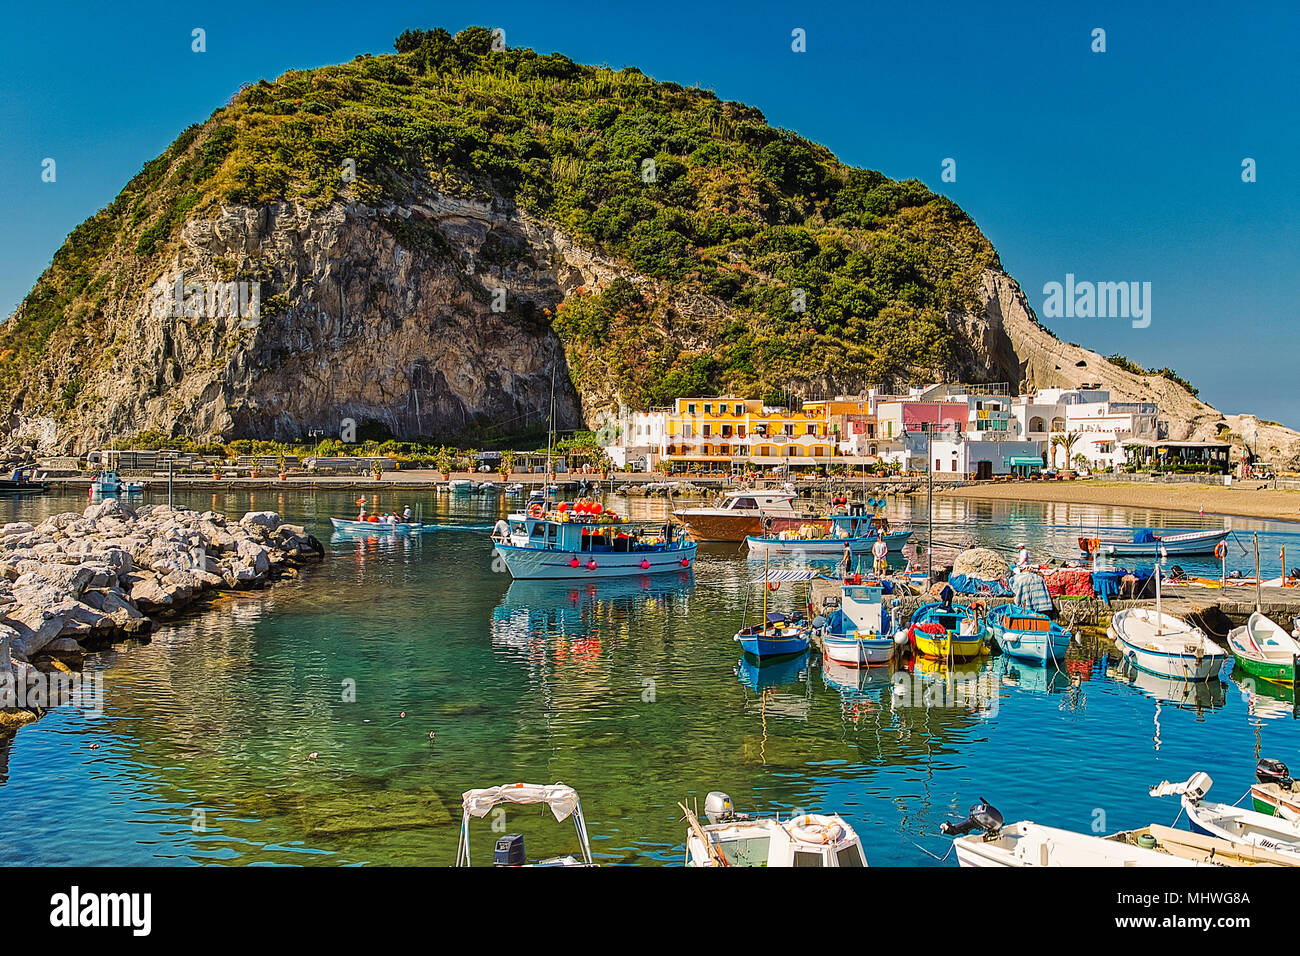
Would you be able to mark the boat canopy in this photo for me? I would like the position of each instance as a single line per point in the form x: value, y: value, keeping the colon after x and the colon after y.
x: 562, y: 800
x: 785, y: 575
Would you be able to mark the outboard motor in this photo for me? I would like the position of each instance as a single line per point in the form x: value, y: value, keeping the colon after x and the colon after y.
x: 1273, y: 771
x: 509, y: 850
x: 982, y: 817
x: 719, y: 809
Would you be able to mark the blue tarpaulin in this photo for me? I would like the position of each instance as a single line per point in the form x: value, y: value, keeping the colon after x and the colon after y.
x: 968, y: 584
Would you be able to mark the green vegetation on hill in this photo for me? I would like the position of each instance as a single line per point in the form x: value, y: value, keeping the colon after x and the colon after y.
x: 1128, y: 365
x: 834, y: 275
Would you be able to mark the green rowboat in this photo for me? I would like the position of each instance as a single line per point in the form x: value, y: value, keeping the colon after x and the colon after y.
x: 1265, y: 650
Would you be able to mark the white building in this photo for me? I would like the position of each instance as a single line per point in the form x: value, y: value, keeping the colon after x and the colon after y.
x: 1099, y: 425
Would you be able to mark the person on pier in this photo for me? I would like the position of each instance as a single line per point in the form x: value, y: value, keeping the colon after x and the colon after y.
x: 879, y: 552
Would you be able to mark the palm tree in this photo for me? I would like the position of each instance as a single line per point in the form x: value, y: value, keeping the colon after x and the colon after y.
x: 1066, y: 443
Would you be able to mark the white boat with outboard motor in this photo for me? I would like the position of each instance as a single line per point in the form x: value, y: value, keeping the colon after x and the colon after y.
x: 740, y: 839
x: 1237, y: 825
x: 563, y: 803
x: 983, y: 840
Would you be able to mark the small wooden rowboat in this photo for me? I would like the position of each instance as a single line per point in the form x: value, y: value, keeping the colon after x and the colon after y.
x: 1165, y: 645
x: 1147, y: 544
x: 1028, y: 635
x: 344, y: 526
x: 947, y: 633
x: 1264, y: 649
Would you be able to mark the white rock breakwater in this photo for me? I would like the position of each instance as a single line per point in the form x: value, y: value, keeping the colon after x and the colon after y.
x: 75, y: 582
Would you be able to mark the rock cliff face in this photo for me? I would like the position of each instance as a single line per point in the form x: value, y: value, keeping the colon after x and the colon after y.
x: 387, y: 315
x: 1013, y: 343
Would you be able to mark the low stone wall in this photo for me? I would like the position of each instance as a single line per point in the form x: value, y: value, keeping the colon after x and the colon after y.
x: 1069, y: 611
x: 76, y: 582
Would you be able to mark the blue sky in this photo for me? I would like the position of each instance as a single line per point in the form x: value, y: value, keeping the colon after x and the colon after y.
x: 1115, y: 166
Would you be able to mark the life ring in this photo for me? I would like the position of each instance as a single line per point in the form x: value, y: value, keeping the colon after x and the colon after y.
x: 807, y: 830
x: 535, y: 510
x: 774, y: 585
x: 1221, y: 550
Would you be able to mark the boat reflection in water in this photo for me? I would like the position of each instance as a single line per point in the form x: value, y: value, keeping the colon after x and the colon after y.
x: 864, y: 691
x: 938, y: 685
x: 1196, y: 695
x: 1264, y: 699
x: 775, y: 684
x: 532, y: 611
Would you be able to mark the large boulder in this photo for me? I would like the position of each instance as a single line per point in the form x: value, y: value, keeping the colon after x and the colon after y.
x: 108, y: 508
x: 268, y: 520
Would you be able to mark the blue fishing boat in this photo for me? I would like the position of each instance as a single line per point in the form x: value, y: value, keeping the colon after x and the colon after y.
x: 107, y: 482
x: 580, y: 540
x: 779, y: 633
x: 828, y: 536
x: 1027, y: 635
x: 859, y: 631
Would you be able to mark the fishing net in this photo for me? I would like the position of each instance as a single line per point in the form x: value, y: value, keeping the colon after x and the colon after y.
x: 981, y: 563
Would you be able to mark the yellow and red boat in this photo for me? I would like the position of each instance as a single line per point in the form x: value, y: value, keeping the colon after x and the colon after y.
x: 947, y: 632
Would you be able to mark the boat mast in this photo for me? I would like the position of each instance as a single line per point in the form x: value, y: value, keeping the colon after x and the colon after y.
x: 765, y: 556
x: 1257, y: 595
x: 550, y: 441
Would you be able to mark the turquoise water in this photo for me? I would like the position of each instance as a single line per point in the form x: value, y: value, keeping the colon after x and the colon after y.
x: 632, y: 692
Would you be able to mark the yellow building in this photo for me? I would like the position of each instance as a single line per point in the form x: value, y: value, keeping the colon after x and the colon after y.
x: 718, y: 434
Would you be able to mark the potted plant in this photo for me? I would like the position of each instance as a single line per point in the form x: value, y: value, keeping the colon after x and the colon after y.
x: 376, y: 470
x: 506, y: 465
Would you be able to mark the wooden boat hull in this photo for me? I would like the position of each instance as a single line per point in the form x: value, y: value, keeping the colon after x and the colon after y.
x: 1173, y: 649
x: 536, y: 564
x: 868, y: 651
x: 774, y: 642
x: 1270, y: 799
x: 725, y: 526
x: 1193, y: 543
x: 1048, y: 645
x: 1265, y: 650
x: 376, y: 527
x: 943, y: 648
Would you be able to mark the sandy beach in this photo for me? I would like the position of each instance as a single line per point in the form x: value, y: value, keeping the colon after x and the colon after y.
x: 1241, y: 500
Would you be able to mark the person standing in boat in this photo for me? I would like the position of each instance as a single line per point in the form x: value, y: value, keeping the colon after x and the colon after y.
x: 879, y: 552
x: 847, y: 561
x: 501, y: 530
x: 406, y: 513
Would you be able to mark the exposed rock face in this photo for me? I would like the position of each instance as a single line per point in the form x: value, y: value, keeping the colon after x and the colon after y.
x: 1021, y: 352
x: 384, y: 315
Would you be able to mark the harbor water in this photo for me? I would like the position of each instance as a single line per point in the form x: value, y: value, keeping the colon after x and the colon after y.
x: 336, y: 718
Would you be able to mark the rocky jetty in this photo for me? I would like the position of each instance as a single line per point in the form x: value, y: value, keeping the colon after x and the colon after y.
x: 76, y: 582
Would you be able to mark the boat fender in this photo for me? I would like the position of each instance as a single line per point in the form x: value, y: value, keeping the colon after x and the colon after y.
x: 645, y: 563
x: 574, y: 562
x: 591, y: 565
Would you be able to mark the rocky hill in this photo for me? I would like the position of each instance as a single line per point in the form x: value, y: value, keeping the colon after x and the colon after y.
x: 424, y: 241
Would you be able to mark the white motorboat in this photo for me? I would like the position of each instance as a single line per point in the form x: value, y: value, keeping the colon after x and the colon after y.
x: 509, y: 851
x: 859, y: 632
x: 981, y: 840
x: 1245, y: 828
x: 735, y: 839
